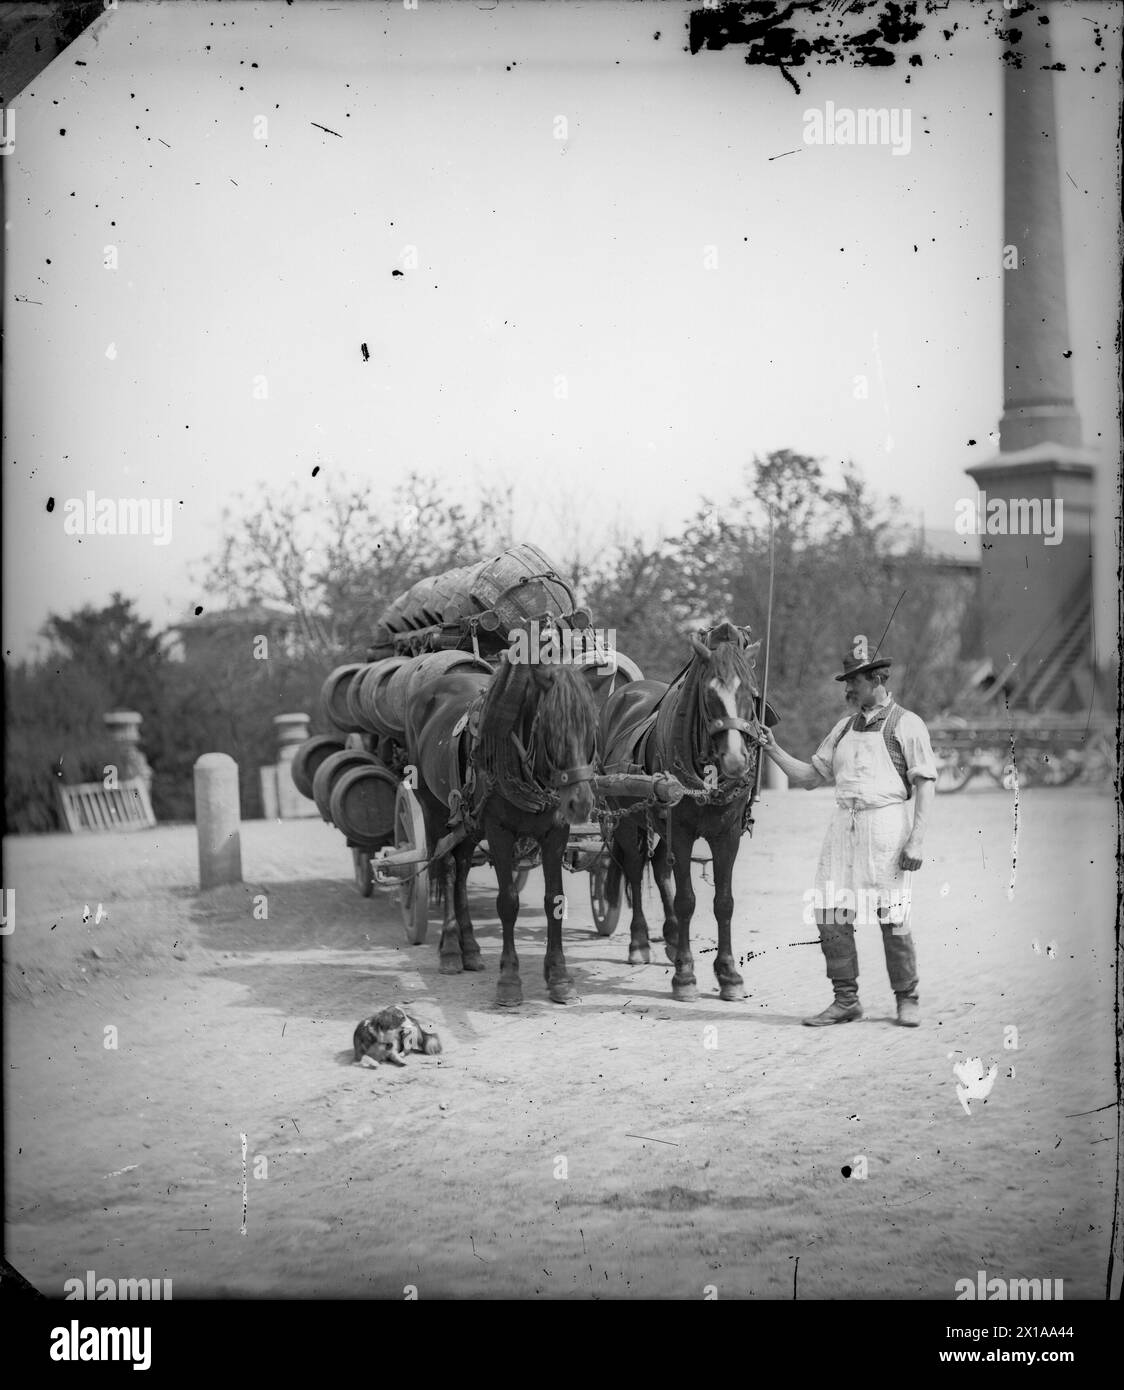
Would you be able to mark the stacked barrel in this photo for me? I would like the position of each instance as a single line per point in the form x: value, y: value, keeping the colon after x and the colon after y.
x: 465, y: 611
x: 366, y: 702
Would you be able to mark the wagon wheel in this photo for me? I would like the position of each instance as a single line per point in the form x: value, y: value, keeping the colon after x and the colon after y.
x: 953, y: 771
x: 605, y: 913
x: 413, y: 892
x: 1057, y: 767
x: 364, y: 878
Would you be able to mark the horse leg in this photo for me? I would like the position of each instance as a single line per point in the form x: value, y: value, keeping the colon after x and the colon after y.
x: 724, y: 848
x: 627, y: 846
x: 559, y: 985
x: 663, y: 882
x: 501, y: 846
x: 683, y: 983
x: 450, y: 950
x: 470, y: 949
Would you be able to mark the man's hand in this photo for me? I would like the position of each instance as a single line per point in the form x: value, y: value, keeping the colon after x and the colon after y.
x: 910, y: 857
x: 765, y: 738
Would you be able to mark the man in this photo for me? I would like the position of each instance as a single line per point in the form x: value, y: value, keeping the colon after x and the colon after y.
x: 879, y: 760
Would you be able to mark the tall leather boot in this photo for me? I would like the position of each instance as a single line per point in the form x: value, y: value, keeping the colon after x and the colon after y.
x: 901, y: 964
x: 837, y: 941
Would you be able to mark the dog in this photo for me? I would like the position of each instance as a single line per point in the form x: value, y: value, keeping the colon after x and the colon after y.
x: 389, y: 1035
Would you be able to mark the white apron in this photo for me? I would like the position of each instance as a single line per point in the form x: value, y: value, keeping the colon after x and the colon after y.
x: 859, y: 870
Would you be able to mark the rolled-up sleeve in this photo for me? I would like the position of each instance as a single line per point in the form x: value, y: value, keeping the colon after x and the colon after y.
x: 914, y: 738
x: 824, y: 756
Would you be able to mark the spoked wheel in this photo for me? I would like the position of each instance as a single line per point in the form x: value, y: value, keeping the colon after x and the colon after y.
x: 953, y: 772
x: 413, y: 892
x: 364, y: 878
x: 605, y: 913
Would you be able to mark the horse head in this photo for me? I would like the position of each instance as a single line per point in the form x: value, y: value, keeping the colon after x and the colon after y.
x: 728, y: 692
x: 566, y: 738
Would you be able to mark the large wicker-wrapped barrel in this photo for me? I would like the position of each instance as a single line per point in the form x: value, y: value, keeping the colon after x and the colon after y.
x: 333, y: 696
x: 309, y: 756
x: 520, y: 584
x: 329, y: 771
x: 362, y: 805
x: 511, y: 588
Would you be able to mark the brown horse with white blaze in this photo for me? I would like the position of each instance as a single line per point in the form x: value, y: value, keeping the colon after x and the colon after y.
x: 703, y: 729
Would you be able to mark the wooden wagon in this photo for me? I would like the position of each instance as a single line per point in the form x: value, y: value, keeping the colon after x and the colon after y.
x: 359, y: 777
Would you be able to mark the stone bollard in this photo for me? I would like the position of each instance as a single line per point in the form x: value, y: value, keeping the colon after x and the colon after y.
x: 217, y: 820
x: 123, y: 726
x: 292, y: 730
x: 280, y: 798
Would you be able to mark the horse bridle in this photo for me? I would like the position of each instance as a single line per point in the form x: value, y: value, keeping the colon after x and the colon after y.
x: 728, y: 721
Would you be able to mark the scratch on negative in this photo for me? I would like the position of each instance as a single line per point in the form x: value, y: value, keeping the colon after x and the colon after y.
x: 244, y: 1197
x: 1015, y: 809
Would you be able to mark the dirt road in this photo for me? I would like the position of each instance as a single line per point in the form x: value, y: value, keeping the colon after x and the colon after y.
x: 611, y: 1148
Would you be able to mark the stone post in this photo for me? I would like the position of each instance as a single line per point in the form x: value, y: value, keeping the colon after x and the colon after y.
x: 217, y: 820
x: 123, y: 726
x: 280, y: 797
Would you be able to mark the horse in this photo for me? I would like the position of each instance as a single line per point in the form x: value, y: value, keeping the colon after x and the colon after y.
x: 505, y: 757
x: 703, y: 728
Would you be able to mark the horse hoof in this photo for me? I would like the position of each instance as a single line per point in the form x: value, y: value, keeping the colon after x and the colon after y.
x: 562, y: 992
x: 639, y: 955
x: 685, y: 994
x: 509, y: 994
x: 730, y: 991
x: 451, y: 965
x: 474, y: 960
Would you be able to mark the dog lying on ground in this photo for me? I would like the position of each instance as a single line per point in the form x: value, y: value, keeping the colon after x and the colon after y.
x: 388, y: 1036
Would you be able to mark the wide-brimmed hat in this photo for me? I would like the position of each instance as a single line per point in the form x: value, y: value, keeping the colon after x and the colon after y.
x: 852, y: 666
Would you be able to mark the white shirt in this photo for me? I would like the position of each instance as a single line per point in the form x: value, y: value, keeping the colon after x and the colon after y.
x: 858, y: 764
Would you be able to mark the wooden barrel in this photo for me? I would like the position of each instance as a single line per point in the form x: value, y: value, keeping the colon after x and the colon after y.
x: 333, y: 696
x: 329, y: 771
x: 308, y: 757
x: 391, y: 709
x: 354, y: 708
x: 516, y: 586
x: 362, y: 805
x: 370, y: 696
x: 603, y: 683
x: 427, y: 668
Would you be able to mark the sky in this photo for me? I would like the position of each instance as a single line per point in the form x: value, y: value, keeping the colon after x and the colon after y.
x: 612, y: 323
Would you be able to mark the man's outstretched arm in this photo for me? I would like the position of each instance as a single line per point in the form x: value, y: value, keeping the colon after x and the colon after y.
x: 799, y: 774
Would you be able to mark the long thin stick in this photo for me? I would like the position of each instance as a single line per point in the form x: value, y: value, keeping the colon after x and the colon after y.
x: 768, y: 647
